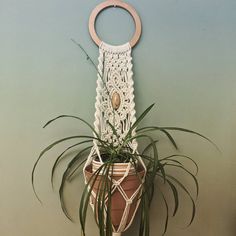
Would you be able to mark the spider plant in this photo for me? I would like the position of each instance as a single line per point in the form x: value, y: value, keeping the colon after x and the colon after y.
x: 157, y: 168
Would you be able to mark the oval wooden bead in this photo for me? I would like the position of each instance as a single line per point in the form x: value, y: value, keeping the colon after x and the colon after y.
x: 115, y: 100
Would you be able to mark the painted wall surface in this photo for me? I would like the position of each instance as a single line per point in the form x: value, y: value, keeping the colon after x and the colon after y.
x: 185, y: 63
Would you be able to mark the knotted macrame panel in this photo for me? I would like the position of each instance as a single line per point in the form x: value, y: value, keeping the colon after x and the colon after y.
x: 115, y: 81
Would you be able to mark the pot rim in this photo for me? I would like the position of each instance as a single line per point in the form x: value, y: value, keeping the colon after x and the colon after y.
x: 115, y: 164
x: 119, y: 171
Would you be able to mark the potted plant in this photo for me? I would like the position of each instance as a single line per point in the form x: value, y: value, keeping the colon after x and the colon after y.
x: 119, y: 179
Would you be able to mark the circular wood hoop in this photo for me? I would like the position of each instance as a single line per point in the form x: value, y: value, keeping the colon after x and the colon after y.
x: 115, y: 3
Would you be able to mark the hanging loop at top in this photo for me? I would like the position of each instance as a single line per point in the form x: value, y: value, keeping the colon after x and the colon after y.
x: 115, y: 3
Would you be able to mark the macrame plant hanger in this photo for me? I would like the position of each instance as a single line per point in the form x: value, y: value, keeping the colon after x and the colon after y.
x: 115, y: 103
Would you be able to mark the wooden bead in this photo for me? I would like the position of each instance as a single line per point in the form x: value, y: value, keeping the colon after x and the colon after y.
x: 115, y: 100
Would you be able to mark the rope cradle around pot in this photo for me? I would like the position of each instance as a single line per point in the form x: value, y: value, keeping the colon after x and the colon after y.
x: 115, y: 104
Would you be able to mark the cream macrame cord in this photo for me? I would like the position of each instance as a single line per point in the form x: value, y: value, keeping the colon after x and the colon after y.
x: 115, y: 66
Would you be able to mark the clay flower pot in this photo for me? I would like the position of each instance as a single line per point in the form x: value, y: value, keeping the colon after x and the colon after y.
x: 125, y: 196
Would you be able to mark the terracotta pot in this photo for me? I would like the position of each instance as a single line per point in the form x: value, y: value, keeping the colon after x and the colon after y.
x: 130, y: 184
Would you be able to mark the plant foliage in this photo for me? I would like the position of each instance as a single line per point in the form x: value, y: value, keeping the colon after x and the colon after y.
x: 122, y: 153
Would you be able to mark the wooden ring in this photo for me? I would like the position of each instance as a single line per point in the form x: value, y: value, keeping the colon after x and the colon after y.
x: 120, y: 4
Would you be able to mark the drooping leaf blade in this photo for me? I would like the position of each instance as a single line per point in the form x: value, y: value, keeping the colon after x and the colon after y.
x: 61, y: 155
x: 74, y: 117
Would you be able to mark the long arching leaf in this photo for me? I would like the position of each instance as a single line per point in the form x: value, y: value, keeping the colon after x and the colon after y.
x: 60, y: 156
x: 184, y: 156
x: 175, y: 195
x: 187, y: 192
x: 193, y: 176
x: 86, y: 196
x: 153, y: 128
x: 46, y: 150
x: 149, y: 146
x: 74, y: 160
x: 139, y: 119
x: 74, y: 117
x: 50, y: 147
x: 167, y: 213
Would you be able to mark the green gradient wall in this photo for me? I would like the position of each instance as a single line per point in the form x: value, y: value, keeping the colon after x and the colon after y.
x: 185, y: 63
